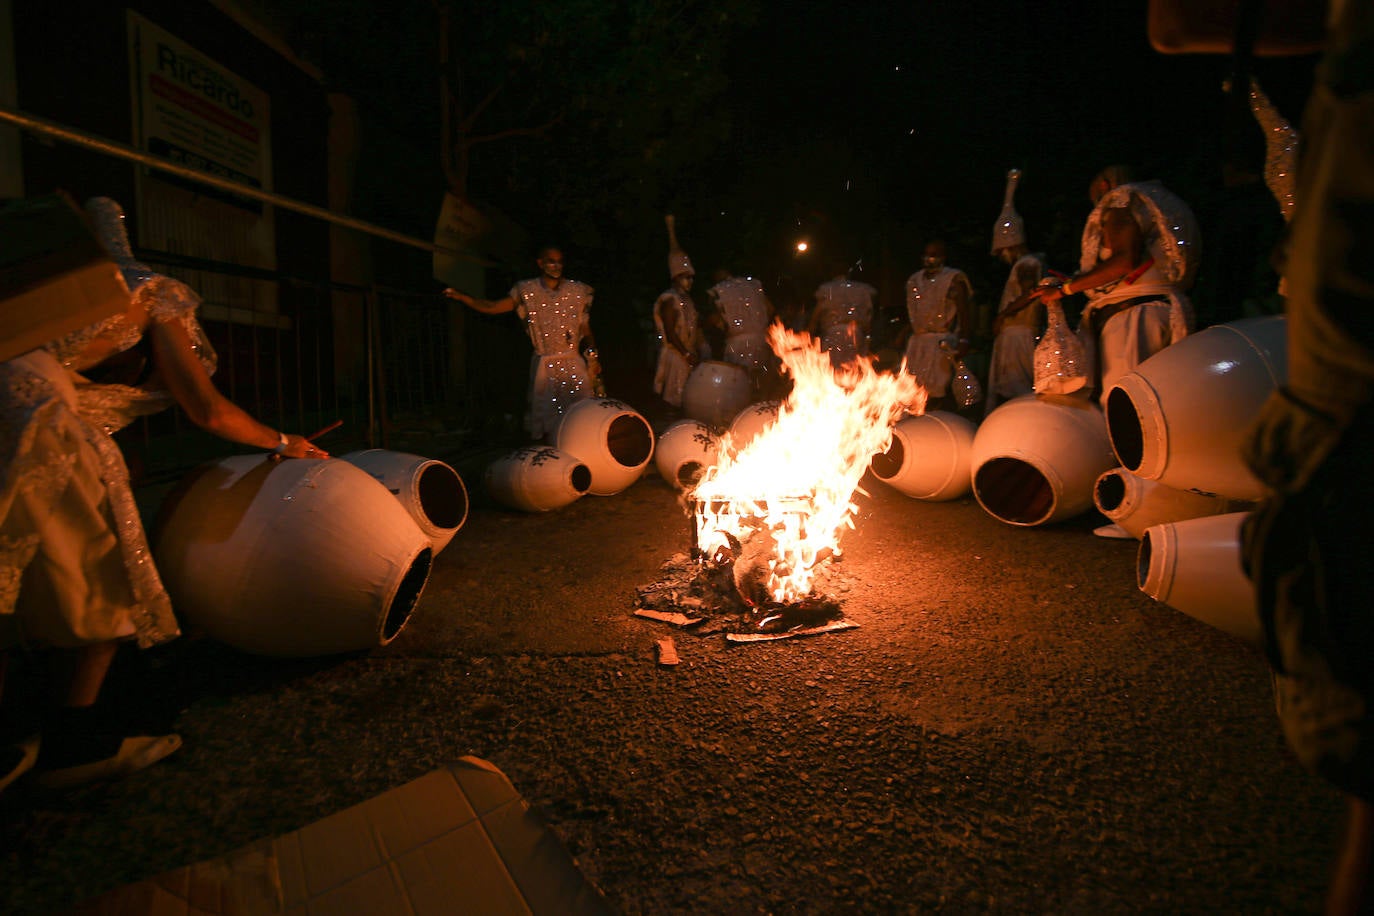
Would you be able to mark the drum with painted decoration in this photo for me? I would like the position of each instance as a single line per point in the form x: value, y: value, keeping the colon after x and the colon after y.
x: 751, y: 421
x: 430, y: 490
x: 1036, y: 458
x: 537, y: 478
x: 684, y: 452
x: 611, y: 438
x: 929, y: 457
x: 291, y: 558
x: 716, y: 392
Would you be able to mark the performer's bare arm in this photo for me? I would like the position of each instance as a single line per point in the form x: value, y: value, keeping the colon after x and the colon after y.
x: 1287, y: 27
x: 179, y: 370
x: 486, y: 306
x: 959, y: 291
x: 1120, y: 234
x: 669, y: 321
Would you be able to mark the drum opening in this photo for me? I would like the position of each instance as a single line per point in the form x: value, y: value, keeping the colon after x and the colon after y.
x: 1111, y: 492
x: 689, y: 473
x: 1142, y: 560
x: 443, y: 498
x: 407, y: 595
x: 1014, y: 491
x: 581, y: 478
x: 629, y: 440
x: 887, y: 465
x: 1123, y: 427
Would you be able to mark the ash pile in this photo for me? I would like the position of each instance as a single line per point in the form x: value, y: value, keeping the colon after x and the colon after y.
x: 727, y: 593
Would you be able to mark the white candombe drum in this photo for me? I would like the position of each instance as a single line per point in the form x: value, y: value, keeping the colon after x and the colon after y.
x: 684, y: 452
x: 1194, y: 566
x: 291, y: 558
x: 537, y: 478
x: 611, y: 438
x: 751, y: 421
x: 929, y: 457
x: 716, y: 392
x: 1135, y: 503
x: 430, y: 490
x: 1036, y: 458
x: 1181, y: 416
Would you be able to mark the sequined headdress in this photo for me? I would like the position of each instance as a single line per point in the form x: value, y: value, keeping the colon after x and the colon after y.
x: 678, y: 262
x: 1009, y: 229
x: 107, y: 218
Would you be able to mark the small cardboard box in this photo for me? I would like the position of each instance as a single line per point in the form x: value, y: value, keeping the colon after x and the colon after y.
x: 457, y: 840
x: 55, y: 277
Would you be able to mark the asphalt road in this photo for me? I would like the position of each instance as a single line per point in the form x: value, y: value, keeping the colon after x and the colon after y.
x: 1011, y: 726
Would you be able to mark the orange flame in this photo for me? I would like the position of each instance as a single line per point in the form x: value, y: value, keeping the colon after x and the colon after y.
x: 795, y: 481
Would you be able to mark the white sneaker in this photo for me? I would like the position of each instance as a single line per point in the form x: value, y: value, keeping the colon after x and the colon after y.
x: 1114, y: 531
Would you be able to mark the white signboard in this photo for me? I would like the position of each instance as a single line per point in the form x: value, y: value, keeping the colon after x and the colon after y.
x: 194, y: 112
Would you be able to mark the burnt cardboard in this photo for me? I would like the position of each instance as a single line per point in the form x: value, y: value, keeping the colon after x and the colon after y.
x: 457, y: 840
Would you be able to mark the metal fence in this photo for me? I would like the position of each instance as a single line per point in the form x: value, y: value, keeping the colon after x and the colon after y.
x: 378, y: 359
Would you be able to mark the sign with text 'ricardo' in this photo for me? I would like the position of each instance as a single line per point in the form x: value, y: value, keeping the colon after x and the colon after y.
x: 194, y: 112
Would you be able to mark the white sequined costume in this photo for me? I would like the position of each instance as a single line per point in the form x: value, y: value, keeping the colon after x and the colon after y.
x: 844, y: 316
x: 744, y: 308
x: 75, y: 568
x: 670, y: 377
x: 1011, y: 372
x: 558, y: 374
x: 1140, y: 330
x: 934, y: 321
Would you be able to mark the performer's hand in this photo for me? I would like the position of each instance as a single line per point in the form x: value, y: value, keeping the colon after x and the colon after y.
x: 452, y: 293
x: 299, y: 447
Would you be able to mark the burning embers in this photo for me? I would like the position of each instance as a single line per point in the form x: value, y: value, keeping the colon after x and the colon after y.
x: 767, y: 515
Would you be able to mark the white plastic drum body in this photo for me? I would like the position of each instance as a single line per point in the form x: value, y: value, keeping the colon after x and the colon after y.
x: 1194, y: 566
x: 749, y: 422
x: 537, y: 478
x: 293, y: 558
x: 1036, y: 457
x: 430, y: 490
x: 684, y: 452
x: 1134, y: 503
x: 930, y: 456
x: 716, y: 392
x: 611, y: 438
x: 1182, y: 415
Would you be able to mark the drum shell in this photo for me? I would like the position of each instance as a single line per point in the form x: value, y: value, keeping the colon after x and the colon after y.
x: 537, y: 478
x: 751, y: 421
x: 930, y: 457
x: 1036, y: 458
x: 684, y: 451
x: 1134, y: 503
x: 430, y: 490
x: 1181, y: 416
x: 611, y: 438
x: 291, y: 558
x: 1195, y: 566
x: 716, y: 392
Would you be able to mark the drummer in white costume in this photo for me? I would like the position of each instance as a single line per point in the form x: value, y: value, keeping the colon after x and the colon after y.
x: 843, y: 317
x: 681, y: 342
x: 938, y: 300
x: 1139, y: 258
x: 1020, y: 314
x: 743, y: 312
x: 556, y: 313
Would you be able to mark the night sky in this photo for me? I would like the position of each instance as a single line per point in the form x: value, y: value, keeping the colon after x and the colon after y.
x: 873, y: 129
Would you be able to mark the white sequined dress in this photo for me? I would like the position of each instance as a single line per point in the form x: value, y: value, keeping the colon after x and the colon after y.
x: 75, y: 568
x: 844, y: 316
x: 934, y: 319
x: 558, y: 374
x: 670, y: 376
x: 744, y: 308
x: 1011, y: 369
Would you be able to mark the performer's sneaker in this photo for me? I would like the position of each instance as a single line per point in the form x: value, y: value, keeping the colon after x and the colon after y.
x: 1114, y: 531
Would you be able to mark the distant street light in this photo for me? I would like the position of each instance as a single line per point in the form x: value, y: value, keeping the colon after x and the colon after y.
x: 802, y: 246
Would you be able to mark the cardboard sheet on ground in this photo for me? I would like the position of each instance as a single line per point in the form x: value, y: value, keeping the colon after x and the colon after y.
x: 457, y: 840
